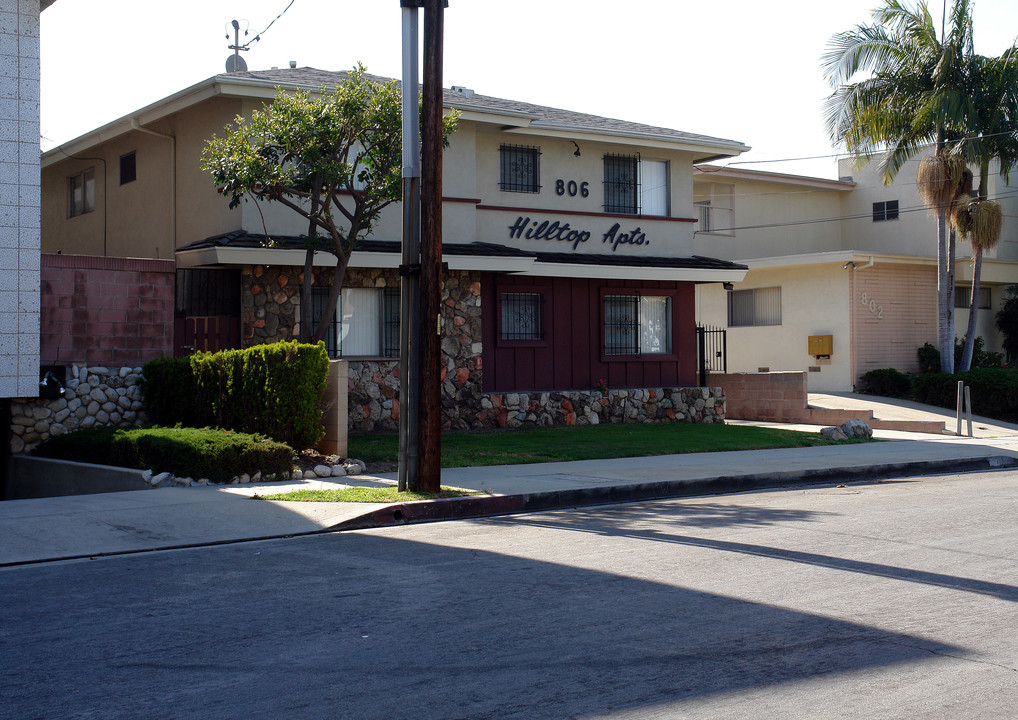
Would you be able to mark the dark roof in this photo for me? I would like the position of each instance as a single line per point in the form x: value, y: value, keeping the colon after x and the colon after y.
x: 314, y: 79
x: 244, y: 239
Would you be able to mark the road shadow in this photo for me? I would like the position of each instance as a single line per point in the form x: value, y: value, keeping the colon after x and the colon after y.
x: 631, y: 521
x: 368, y: 625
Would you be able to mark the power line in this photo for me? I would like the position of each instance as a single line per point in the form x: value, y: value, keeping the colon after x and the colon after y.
x: 256, y: 38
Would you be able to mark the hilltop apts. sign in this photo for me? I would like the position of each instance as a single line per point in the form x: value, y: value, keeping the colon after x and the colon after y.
x: 555, y: 230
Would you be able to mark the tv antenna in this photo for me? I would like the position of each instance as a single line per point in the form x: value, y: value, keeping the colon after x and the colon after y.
x: 235, y: 63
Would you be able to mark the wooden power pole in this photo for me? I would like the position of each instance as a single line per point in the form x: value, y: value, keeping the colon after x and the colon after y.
x: 430, y: 426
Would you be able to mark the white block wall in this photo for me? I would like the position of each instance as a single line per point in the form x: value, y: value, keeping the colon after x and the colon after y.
x: 19, y: 198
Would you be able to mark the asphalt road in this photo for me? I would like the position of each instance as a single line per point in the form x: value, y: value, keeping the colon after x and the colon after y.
x: 889, y: 600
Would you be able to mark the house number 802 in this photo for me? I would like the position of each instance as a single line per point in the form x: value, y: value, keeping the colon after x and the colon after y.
x: 571, y: 187
x: 871, y: 304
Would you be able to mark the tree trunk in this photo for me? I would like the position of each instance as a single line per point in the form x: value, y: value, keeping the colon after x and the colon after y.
x: 945, y: 292
x: 305, y: 306
x: 970, y: 333
x: 330, y: 304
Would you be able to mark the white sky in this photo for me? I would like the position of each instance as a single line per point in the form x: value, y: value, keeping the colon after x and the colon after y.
x: 737, y: 69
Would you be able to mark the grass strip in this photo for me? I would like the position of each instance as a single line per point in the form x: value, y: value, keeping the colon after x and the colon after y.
x: 366, y: 495
x: 589, y: 442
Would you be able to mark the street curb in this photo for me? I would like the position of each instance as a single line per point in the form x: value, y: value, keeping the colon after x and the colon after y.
x: 422, y: 511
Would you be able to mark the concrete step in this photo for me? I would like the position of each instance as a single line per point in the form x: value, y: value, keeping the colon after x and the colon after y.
x: 835, y: 416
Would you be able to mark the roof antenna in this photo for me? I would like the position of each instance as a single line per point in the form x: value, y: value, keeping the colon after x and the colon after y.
x: 235, y: 63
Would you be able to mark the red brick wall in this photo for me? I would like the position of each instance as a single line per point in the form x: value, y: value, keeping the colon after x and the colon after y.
x: 112, y: 312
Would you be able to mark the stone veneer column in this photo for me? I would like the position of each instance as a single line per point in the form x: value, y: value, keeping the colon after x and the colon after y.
x: 19, y: 198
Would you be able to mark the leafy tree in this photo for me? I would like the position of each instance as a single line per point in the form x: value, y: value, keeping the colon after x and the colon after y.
x: 333, y: 158
x: 913, y: 95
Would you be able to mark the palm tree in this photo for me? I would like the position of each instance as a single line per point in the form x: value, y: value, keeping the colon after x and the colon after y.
x: 913, y: 96
x: 991, y: 136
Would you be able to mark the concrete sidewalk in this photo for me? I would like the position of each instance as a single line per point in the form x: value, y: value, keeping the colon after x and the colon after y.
x: 79, y: 526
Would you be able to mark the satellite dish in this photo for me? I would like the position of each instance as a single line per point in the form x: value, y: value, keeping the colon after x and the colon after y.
x: 235, y: 63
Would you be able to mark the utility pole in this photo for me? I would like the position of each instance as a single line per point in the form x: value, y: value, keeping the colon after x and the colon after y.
x: 410, y: 269
x: 430, y: 428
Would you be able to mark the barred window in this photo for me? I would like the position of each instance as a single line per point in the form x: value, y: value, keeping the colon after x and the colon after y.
x: 521, y: 316
x: 637, y: 324
x: 621, y: 183
x: 519, y: 169
x: 366, y: 322
x: 205, y: 292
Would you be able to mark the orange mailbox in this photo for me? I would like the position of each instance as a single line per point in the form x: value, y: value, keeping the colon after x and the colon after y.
x: 821, y: 345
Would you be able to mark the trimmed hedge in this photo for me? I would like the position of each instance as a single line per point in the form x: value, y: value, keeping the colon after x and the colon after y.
x: 218, y: 455
x: 887, y: 382
x: 273, y: 390
x: 994, y: 391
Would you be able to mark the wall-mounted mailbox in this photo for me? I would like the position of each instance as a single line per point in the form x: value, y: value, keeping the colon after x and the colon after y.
x: 821, y: 345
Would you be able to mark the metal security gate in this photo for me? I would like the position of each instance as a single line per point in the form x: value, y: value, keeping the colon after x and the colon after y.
x: 711, y: 351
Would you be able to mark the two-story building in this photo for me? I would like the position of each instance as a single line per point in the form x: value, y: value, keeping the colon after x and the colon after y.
x: 569, y: 239
x: 842, y: 274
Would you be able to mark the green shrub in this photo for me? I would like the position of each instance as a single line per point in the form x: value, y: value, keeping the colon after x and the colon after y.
x: 186, y: 452
x: 273, y: 389
x: 929, y: 356
x: 887, y: 382
x: 994, y: 391
x: 929, y: 359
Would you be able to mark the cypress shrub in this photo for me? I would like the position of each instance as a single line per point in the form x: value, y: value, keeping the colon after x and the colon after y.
x: 273, y: 390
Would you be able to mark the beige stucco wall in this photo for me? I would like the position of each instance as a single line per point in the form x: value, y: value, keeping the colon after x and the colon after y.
x: 137, y: 219
x: 783, y: 219
x: 814, y: 301
x: 914, y: 233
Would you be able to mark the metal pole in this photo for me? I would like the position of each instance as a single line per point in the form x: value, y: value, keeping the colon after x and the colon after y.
x: 968, y: 409
x: 409, y: 347
x: 430, y: 429
x: 958, y: 412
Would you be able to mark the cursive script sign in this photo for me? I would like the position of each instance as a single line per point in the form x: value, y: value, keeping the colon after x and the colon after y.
x: 560, y: 231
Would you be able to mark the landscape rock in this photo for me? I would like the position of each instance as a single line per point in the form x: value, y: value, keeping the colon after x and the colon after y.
x: 833, y: 433
x: 857, y: 428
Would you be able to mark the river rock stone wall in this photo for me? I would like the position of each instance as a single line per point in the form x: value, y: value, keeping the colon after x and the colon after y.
x: 95, y: 396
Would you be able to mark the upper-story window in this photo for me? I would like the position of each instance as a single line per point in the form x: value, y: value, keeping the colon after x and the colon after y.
x: 519, y: 168
x: 81, y: 193
x: 633, y: 186
x: 887, y: 210
x: 128, y: 168
x: 621, y: 184
x: 715, y: 208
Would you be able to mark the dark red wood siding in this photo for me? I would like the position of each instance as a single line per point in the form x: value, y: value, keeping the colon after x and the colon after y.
x: 570, y: 358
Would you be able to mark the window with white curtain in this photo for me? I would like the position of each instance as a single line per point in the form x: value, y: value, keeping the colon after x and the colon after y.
x: 637, y: 324
x: 366, y: 322
x: 759, y: 306
x: 653, y: 187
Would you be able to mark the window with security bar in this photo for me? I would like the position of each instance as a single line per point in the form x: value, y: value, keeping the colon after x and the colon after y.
x: 637, y: 324
x: 366, y: 322
x: 519, y: 169
x: 521, y: 316
x: 621, y: 184
x: 205, y: 292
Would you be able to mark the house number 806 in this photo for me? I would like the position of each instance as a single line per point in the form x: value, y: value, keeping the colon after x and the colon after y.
x: 571, y: 188
x: 871, y: 304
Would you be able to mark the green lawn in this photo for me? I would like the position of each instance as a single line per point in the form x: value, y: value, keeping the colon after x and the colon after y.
x: 363, y: 494
x: 587, y: 442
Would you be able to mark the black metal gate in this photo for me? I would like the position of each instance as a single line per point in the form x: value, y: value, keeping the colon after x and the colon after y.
x: 711, y: 351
